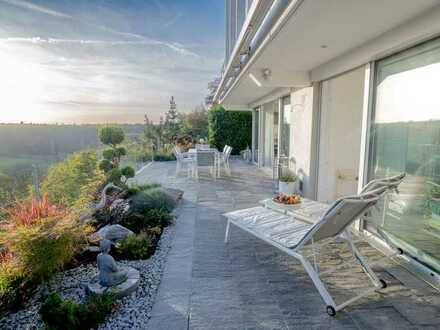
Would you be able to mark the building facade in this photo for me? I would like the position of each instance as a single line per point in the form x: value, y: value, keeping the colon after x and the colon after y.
x: 343, y: 92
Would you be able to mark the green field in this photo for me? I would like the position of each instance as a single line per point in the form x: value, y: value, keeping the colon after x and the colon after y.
x: 8, y: 163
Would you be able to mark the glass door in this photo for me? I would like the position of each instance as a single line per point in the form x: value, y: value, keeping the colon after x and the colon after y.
x: 285, y: 127
x: 270, y: 133
x: 405, y: 137
x: 256, y: 134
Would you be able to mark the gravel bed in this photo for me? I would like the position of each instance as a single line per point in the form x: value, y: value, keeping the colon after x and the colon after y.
x: 132, y: 311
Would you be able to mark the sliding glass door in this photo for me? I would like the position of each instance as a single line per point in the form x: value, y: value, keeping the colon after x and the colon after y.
x: 256, y: 134
x: 285, y: 127
x: 270, y: 115
x: 405, y: 137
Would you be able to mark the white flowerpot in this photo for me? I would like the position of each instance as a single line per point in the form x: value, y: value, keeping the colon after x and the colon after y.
x: 288, y: 188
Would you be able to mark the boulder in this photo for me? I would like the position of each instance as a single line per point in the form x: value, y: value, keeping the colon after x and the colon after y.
x: 113, y: 233
x: 118, y: 210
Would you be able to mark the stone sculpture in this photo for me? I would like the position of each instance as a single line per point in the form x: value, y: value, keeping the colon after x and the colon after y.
x: 111, y: 278
x: 109, y: 273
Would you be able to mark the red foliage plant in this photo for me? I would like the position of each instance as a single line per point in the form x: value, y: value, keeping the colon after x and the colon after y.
x: 26, y: 213
x: 5, y: 256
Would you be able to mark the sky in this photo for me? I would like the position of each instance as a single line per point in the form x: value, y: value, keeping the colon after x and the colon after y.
x: 86, y: 61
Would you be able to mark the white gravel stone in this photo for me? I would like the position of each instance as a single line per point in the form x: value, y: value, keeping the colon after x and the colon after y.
x: 132, y: 311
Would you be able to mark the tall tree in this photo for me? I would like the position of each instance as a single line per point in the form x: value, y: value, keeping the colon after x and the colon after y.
x: 172, y: 123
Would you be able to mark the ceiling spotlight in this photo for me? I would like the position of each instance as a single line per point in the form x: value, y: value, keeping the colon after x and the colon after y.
x: 254, y: 79
x: 266, y: 73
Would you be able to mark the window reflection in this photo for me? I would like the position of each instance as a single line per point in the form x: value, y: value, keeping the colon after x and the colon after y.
x: 405, y: 137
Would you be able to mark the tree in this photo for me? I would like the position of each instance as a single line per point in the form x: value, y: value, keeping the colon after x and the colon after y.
x: 171, y: 125
x: 195, y: 123
x: 112, y: 136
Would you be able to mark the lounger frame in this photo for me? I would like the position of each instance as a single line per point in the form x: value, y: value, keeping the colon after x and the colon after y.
x: 376, y: 189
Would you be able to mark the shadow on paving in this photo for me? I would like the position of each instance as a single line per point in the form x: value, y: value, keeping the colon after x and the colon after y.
x: 248, y: 284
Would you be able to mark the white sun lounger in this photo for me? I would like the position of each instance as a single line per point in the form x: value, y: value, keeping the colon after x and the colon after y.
x: 292, y: 235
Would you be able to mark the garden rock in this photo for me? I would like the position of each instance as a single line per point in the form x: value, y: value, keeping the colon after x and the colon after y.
x: 113, y: 233
x: 118, y: 210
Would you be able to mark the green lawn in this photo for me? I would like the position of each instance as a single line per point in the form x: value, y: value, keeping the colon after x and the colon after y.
x: 9, y: 163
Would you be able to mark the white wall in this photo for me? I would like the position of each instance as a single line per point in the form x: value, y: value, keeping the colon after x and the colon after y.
x: 301, y: 101
x: 340, y: 135
x: 419, y: 29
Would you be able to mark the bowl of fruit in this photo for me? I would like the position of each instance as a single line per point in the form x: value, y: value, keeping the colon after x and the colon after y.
x: 287, y: 199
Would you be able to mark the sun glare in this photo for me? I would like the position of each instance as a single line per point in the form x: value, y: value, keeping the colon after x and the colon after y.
x: 22, y: 86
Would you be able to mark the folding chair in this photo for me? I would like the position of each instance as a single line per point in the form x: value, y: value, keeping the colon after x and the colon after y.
x: 292, y: 235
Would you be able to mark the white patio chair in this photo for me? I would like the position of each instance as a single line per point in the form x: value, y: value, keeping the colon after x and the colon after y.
x: 206, y: 159
x: 202, y: 146
x: 294, y: 236
x: 223, y: 159
x: 184, y: 161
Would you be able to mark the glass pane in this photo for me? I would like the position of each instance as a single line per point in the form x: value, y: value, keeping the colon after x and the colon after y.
x: 405, y: 137
x: 256, y: 134
x: 285, y: 127
x: 270, y: 132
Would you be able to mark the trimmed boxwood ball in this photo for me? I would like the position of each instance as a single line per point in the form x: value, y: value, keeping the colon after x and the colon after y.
x: 121, y: 151
x: 111, y: 135
x: 109, y: 154
x: 106, y: 165
x: 114, y: 176
x: 128, y: 172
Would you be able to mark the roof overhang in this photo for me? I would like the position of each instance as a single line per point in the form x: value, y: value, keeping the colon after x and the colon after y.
x: 307, y: 35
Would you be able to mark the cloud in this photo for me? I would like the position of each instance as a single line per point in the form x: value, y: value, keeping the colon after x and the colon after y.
x: 37, y: 8
x: 172, y: 21
x: 176, y: 47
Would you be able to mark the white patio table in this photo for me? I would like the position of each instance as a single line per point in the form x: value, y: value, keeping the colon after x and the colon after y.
x: 307, y: 210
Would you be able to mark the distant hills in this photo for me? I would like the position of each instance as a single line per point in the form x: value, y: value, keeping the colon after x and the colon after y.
x: 43, y: 140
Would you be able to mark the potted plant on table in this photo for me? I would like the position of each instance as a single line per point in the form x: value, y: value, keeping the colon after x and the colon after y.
x: 287, y: 184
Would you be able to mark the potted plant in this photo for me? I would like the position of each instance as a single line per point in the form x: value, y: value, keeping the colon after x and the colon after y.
x: 287, y: 184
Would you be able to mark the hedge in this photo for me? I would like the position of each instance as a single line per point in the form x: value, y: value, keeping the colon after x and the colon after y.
x: 233, y: 128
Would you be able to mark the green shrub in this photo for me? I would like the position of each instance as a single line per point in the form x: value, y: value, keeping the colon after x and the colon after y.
x: 135, y: 247
x: 288, y: 178
x: 137, y: 222
x: 233, y: 128
x: 106, y: 166
x: 121, y: 151
x: 12, y: 290
x: 128, y: 172
x: 45, y: 247
x: 66, y: 314
x: 114, y: 176
x: 152, y: 199
x: 137, y: 188
x: 111, y: 135
x: 65, y: 180
x: 109, y: 154
x: 162, y: 156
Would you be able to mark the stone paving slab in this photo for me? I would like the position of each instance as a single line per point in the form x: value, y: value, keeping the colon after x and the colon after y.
x: 248, y: 284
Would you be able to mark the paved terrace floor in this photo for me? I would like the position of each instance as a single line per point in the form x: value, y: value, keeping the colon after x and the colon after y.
x: 248, y: 284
